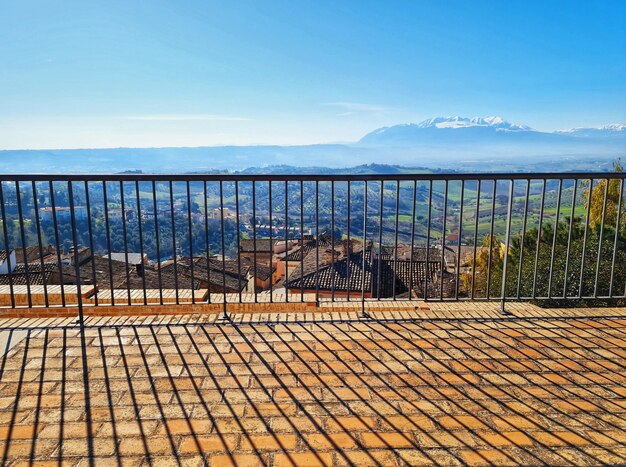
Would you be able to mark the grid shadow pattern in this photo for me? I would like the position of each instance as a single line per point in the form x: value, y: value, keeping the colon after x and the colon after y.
x: 479, y: 392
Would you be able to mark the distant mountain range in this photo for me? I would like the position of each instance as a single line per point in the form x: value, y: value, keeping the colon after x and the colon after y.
x: 615, y: 130
x: 485, y: 144
x: 480, y: 130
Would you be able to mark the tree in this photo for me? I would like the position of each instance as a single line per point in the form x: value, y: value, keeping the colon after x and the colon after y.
x: 487, y: 265
x: 597, y: 199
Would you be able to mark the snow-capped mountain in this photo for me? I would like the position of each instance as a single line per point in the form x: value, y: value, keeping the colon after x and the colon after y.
x: 465, y: 122
x: 478, y: 131
x: 450, y: 130
x: 611, y: 130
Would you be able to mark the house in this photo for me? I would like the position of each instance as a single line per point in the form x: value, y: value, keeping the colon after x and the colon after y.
x: 292, y: 259
x: 263, y: 276
x: 452, y: 239
x: 216, y: 213
x: 116, y: 214
x: 63, y: 213
x: 260, y: 250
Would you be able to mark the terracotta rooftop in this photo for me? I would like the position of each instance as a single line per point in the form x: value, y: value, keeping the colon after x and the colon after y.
x: 538, y: 387
x: 36, y: 274
x: 262, y: 245
x: 380, y: 276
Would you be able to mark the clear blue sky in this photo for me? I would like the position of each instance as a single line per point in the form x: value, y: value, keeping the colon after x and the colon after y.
x: 189, y: 73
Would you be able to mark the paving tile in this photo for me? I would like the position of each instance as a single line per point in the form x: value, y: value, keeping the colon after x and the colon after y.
x: 540, y: 387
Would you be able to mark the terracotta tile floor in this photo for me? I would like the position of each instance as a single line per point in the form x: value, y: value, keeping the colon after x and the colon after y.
x: 462, y: 391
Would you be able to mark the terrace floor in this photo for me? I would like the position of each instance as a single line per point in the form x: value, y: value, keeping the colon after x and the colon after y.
x: 468, y: 388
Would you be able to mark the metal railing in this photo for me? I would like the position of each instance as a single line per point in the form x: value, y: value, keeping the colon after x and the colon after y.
x: 158, y: 239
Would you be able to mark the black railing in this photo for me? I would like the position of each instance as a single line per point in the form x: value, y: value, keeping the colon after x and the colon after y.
x: 157, y: 239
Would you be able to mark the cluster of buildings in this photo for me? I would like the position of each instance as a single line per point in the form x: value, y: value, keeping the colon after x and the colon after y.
x: 321, y: 265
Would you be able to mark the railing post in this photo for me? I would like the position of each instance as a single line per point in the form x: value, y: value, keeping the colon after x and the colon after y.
x: 506, y: 247
x: 363, y: 253
x: 224, y: 316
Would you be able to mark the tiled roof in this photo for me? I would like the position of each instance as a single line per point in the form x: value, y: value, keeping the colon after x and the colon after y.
x: 262, y: 245
x: 217, y: 273
x: 404, y: 252
x: 133, y: 277
x: 408, y: 275
x: 344, y: 274
x: 262, y: 271
x: 35, y: 274
x: 33, y: 253
x: 170, y: 278
x: 310, y: 244
x: 102, y: 272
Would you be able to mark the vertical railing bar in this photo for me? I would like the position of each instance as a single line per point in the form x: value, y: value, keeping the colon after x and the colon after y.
x: 458, y: 250
x: 380, y: 241
x: 141, y: 249
x: 225, y: 313
x: 254, y: 255
x: 301, y: 242
x: 286, y: 240
x: 191, y: 258
x: 443, y: 237
x: 601, y: 238
x: 238, y: 241
x: 40, y: 244
x: 554, y: 237
x: 507, y: 244
x: 582, y: 261
x: 479, y: 188
x: 207, y: 246
x: 412, y: 252
x: 617, y: 226
x: 543, y: 200
x: 348, y: 250
x: 569, y: 238
x: 332, y: 240
x: 7, y: 246
x: 523, y: 239
x: 91, y: 244
x: 20, y: 218
x: 493, y: 221
x: 56, y: 241
x: 317, y: 242
x: 395, y: 247
x: 174, y: 253
x: 430, y: 211
x: 124, y: 232
x: 157, y: 241
x: 108, y: 238
x: 271, y: 220
x: 364, y: 249
x: 81, y: 320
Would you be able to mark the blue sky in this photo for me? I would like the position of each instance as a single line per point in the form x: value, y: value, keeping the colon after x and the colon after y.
x: 190, y: 73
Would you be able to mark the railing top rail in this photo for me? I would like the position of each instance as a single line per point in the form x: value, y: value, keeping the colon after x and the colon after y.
x: 314, y: 177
